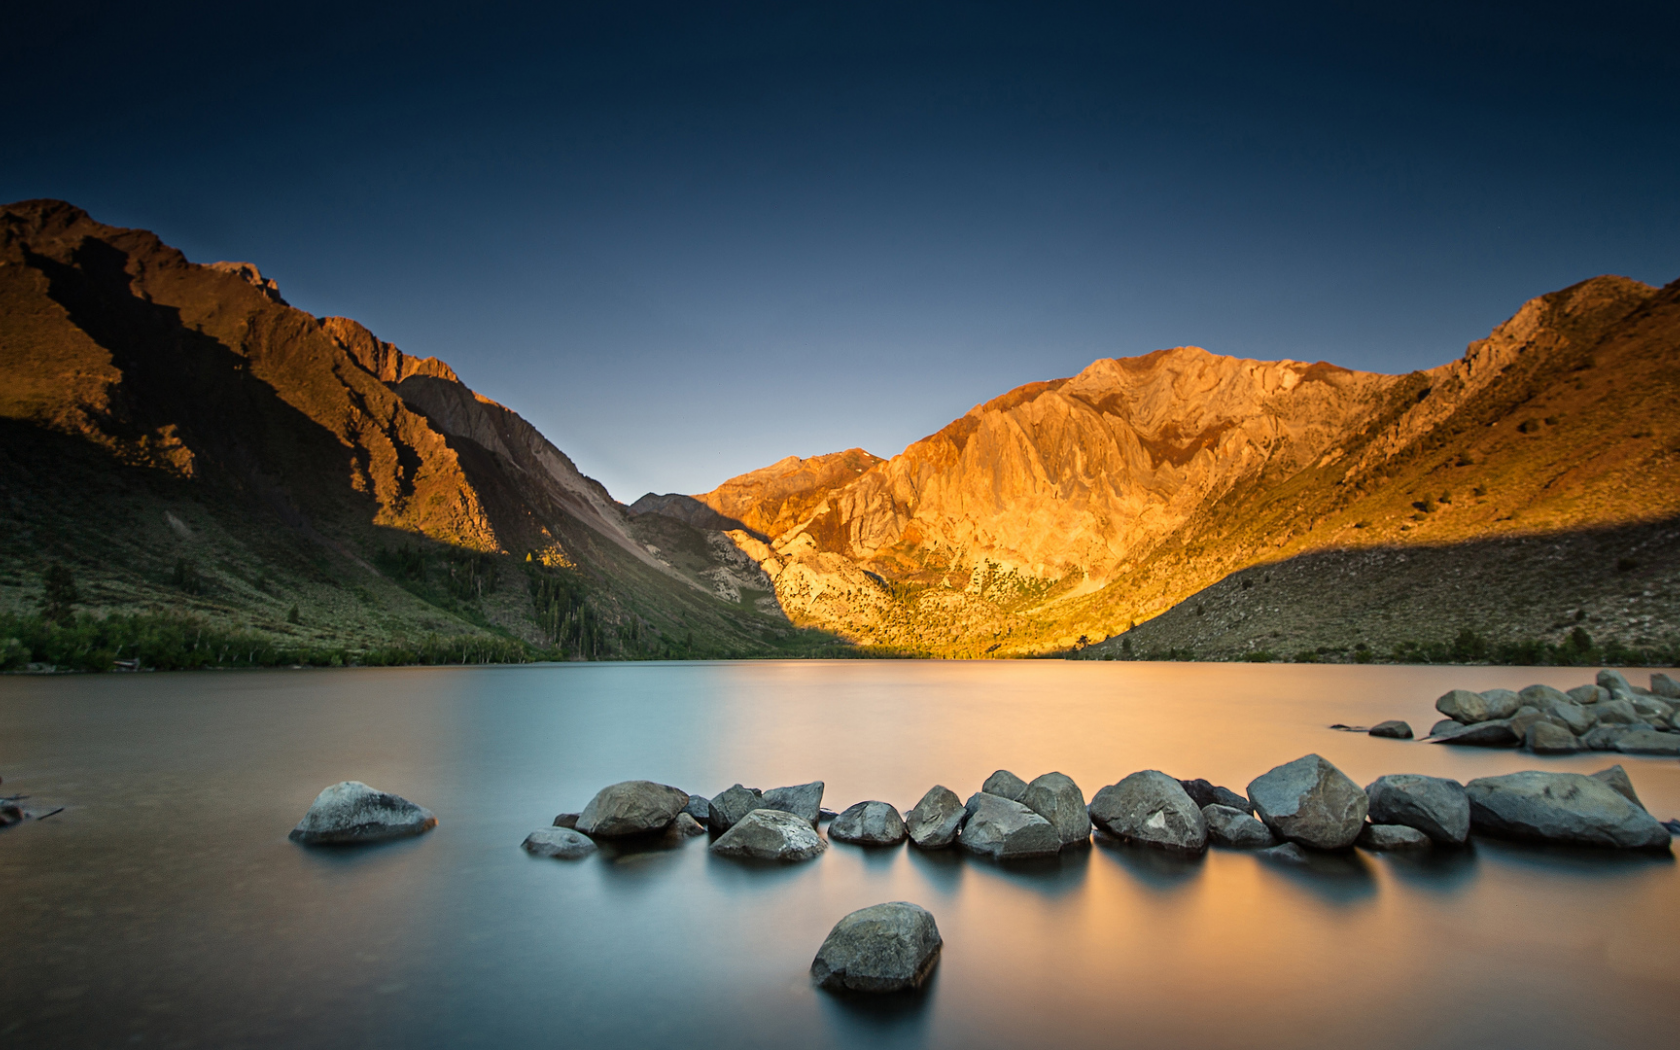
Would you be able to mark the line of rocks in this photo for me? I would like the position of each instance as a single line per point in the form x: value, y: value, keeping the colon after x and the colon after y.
x: 1611, y: 715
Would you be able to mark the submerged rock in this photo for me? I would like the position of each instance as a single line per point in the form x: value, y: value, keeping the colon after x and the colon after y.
x: 728, y: 807
x: 1005, y: 784
x: 631, y: 807
x: 868, y: 824
x: 1435, y: 806
x: 1234, y: 829
x: 1150, y: 808
x: 1392, y: 837
x: 1003, y: 829
x: 1311, y: 802
x: 770, y: 834
x: 1287, y: 853
x: 558, y: 842
x: 933, y: 823
x: 802, y: 800
x: 350, y: 812
x: 1393, y: 729
x: 1056, y: 798
x: 883, y: 948
x: 1647, y: 742
x: 1205, y: 794
x: 1496, y: 733
x: 1562, y: 808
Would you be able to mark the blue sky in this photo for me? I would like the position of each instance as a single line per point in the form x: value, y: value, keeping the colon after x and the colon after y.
x: 687, y: 240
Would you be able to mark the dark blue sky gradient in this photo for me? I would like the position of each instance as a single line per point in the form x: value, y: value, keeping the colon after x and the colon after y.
x: 687, y: 240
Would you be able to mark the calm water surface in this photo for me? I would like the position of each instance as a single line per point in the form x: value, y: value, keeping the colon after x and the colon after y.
x: 165, y: 906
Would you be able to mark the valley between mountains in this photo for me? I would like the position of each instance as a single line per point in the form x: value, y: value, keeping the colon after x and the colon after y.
x: 188, y: 444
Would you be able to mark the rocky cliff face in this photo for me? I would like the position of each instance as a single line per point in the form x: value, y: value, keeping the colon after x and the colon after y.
x: 1065, y: 511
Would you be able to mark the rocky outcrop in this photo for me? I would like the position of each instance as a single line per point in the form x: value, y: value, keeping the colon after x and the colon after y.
x: 351, y: 812
x: 1003, y: 829
x: 1235, y: 829
x: 1152, y: 809
x: 770, y: 834
x: 883, y: 948
x: 560, y: 843
x: 631, y: 807
x: 1056, y: 798
x: 1435, y: 806
x: 1563, y: 809
x: 933, y: 823
x: 802, y: 800
x: 1311, y: 802
x: 868, y: 824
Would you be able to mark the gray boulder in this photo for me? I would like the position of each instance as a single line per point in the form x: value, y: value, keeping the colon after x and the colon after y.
x: 1005, y: 784
x: 1543, y: 695
x: 882, y: 948
x: 1526, y: 717
x: 868, y: 824
x: 770, y: 834
x: 1435, y: 806
x: 1056, y: 798
x: 1311, y: 802
x: 1393, y: 729
x: 350, y: 812
x: 561, y: 843
x: 1616, y: 682
x: 1653, y: 709
x: 1235, y: 829
x: 1462, y: 705
x: 1648, y: 742
x: 933, y: 823
x: 1587, y: 694
x: 802, y: 800
x: 1563, y: 808
x: 1616, y: 711
x: 1392, y: 837
x: 1152, y: 809
x: 1445, y: 725
x: 684, y: 827
x: 1205, y: 794
x: 1575, y: 718
x: 1663, y: 685
x: 727, y: 808
x: 566, y: 820
x: 1003, y: 829
x: 1618, y: 780
x: 1544, y: 738
x: 1501, y: 703
x: 631, y: 807
x: 1481, y: 734
x: 1603, y: 737
x: 699, y: 807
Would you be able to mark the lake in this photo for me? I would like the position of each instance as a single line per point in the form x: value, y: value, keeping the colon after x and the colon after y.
x: 165, y: 905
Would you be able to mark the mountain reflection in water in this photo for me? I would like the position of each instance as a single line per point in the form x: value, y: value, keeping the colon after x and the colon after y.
x: 165, y: 905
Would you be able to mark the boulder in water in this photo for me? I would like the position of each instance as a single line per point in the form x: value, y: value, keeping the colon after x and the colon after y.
x: 868, y: 824
x: 1003, y: 829
x: 802, y: 800
x: 1648, y: 742
x: 631, y: 807
x: 1562, y: 808
x: 1435, y: 806
x: 1287, y: 853
x: 1617, y: 710
x: 1587, y: 694
x: 1663, y: 685
x: 566, y: 820
x: 1393, y: 729
x: 883, y: 948
x: 1205, y: 794
x: 1462, y: 705
x: 933, y: 823
x: 351, y: 812
x: 1544, y: 738
x: 770, y: 834
x: 727, y: 807
x: 1152, y: 809
x: 1392, y: 837
x: 1311, y: 802
x: 1005, y: 784
x: 699, y: 807
x: 1501, y: 703
x: 560, y: 843
x: 1056, y: 798
x: 1497, y: 733
x: 1235, y: 829
x: 1616, y: 683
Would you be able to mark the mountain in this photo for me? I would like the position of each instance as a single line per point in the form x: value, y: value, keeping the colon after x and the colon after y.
x: 186, y: 441
x: 1081, y: 509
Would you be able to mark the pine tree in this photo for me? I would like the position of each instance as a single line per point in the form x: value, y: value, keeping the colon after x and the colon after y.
x: 58, y: 595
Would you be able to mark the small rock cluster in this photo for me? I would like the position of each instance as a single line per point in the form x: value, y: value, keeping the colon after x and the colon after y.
x: 1609, y: 716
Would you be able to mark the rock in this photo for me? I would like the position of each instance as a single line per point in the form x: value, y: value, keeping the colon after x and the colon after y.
x: 1152, y: 809
x: 631, y: 807
x: 1616, y: 682
x: 882, y: 948
x: 1501, y: 703
x: 1618, y: 780
x: 560, y: 842
x: 1653, y: 709
x: 1663, y: 685
x: 699, y: 807
x: 1205, y: 794
x: 1547, y: 739
x: 1056, y: 798
x: 770, y: 834
x: 1005, y: 784
x: 1673, y: 826
x: 1543, y: 695
x: 353, y: 812
x: 1648, y: 742
x: 1603, y: 737
x: 1587, y: 694
x: 802, y: 800
x: 1393, y: 729
x: 933, y: 822
x: 1392, y: 837
x: 868, y: 824
x: 1616, y: 711
x: 825, y: 814
x: 1527, y: 716
x: 1462, y: 705
x: 1445, y: 725
x: 1563, y: 808
x: 1575, y: 718
x: 10, y: 813
x: 1435, y: 806
x: 1311, y: 802
x: 1288, y: 853
x: 1003, y: 829
x: 1234, y: 829
x: 1481, y: 734
x: 727, y: 808
x: 566, y: 820
x: 685, y: 826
